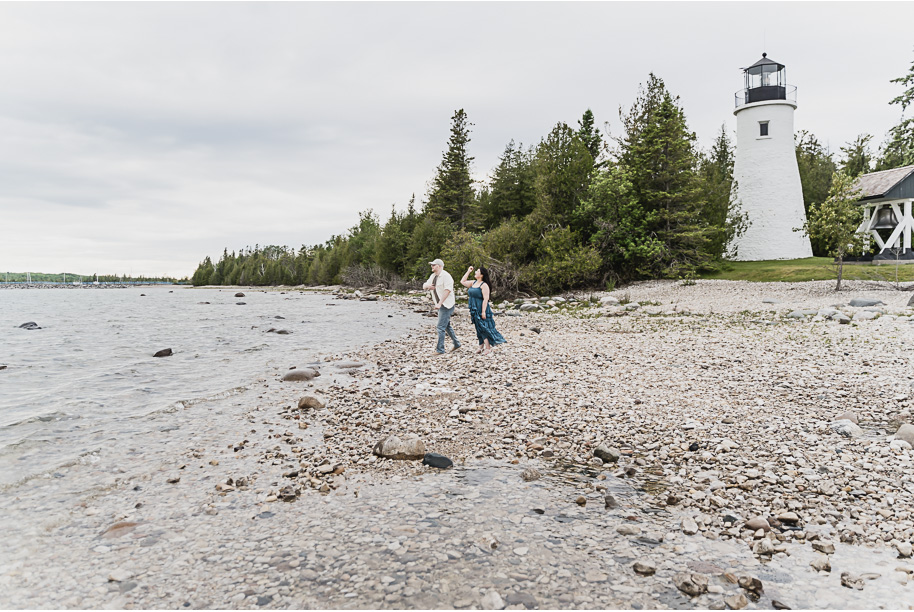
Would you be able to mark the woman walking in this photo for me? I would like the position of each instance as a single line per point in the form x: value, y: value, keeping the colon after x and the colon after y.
x: 478, y: 292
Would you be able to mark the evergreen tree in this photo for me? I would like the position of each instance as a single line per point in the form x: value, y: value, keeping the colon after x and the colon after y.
x: 657, y: 152
x: 721, y: 210
x: 898, y: 151
x: 590, y: 135
x: 451, y: 197
x: 563, y: 168
x: 512, y: 190
x: 857, y: 157
x: 817, y: 167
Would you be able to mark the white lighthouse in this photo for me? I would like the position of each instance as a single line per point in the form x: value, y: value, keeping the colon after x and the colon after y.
x: 765, y: 173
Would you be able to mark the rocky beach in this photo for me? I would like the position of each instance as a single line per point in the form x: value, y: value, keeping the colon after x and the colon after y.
x: 711, y: 444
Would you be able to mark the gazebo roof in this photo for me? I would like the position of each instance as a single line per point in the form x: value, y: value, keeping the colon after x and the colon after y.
x: 879, y: 184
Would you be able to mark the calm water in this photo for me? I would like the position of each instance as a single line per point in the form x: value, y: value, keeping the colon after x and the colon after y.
x: 87, y: 378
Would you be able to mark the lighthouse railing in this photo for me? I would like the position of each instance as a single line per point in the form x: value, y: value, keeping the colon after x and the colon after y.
x: 785, y: 92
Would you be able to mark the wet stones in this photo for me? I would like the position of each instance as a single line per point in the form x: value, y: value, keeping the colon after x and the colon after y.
x: 607, y: 453
x: 300, y: 375
x: 309, y: 402
x: 392, y: 447
x: 437, y: 461
x: 164, y: 353
x: 691, y: 584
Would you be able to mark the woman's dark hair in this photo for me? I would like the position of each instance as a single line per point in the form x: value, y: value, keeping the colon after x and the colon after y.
x: 485, y: 277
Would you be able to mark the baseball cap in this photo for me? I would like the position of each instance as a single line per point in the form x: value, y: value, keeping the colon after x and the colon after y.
x: 436, y: 262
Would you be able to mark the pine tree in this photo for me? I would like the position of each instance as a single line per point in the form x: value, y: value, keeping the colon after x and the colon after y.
x: 563, y: 168
x: 817, y: 167
x: 590, y: 135
x: 512, y: 188
x: 658, y: 154
x: 857, y: 156
x: 451, y: 197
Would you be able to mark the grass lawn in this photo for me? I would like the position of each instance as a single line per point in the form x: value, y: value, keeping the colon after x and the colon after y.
x: 812, y: 268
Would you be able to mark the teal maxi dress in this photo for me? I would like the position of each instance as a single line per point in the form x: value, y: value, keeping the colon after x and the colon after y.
x: 485, y: 328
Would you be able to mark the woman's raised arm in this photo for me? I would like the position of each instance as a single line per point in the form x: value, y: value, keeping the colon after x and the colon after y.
x: 464, y: 281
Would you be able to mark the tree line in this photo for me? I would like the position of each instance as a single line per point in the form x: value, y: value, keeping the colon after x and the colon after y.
x: 578, y: 209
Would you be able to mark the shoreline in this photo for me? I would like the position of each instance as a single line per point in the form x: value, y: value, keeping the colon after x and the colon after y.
x: 709, y: 364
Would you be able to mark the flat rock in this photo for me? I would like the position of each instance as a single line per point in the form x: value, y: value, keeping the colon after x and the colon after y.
x: 865, y: 315
x: 348, y: 365
x: 736, y: 602
x: 29, y: 325
x: 864, y: 302
x: 848, y: 416
x: 300, y: 374
x: 826, y: 548
x: 437, y: 461
x: 163, y: 353
x: 689, y: 526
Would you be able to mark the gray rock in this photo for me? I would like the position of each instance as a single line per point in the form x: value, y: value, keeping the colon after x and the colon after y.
x: 865, y: 315
x: 393, y: 447
x: 863, y: 302
x: 239, y: 294
x: 609, y: 301
x: 645, y: 568
x: 607, y: 453
x: 610, y: 501
x: 163, y: 353
x: 751, y: 583
x: 848, y: 416
x: 530, y: 474
x: 821, y: 563
x: 851, y: 581
x: 628, y: 530
x: 771, y: 301
x: 758, y: 523
x: 492, y: 601
x: 689, y: 526
x: 691, y: 584
x: 763, y: 547
x: 904, y: 549
x: 522, y: 598
x: 905, y: 433
x: 846, y: 428
x: 797, y: 314
x: 736, y: 602
x: 119, y: 575
x: 841, y: 318
x: 826, y: 548
x: 300, y: 374
x: 529, y: 307
x: 311, y: 402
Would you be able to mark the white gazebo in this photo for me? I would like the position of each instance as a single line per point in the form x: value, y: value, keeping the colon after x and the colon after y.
x: 887, y: 198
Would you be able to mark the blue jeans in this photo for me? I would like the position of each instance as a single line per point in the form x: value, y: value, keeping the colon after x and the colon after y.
x: 444, y: 325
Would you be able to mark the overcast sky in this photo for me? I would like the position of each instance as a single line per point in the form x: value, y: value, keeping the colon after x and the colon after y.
x: 139, y: 138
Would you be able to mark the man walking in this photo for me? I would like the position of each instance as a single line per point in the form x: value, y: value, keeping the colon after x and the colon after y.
x: 442, y: 286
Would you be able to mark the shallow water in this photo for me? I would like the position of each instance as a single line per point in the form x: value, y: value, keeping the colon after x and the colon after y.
x: 84, y: 380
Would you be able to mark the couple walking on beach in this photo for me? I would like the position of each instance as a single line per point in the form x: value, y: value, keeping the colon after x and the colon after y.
x: 441, y: 283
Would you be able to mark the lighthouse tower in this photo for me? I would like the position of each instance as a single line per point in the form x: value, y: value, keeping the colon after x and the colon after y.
x: 765, y: 173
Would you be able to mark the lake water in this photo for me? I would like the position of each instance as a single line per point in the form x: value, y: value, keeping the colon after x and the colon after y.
x: 87, y: 379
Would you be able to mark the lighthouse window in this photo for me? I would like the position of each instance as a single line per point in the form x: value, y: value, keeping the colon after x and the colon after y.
x: 763, y: 128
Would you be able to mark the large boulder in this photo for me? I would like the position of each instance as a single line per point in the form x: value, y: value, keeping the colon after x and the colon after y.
x: 311, y: 402
x: 300, y: 374
x: 905, y: 433
x: 607, y: 453
x: 846, y: 428
x: 392, y: 447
